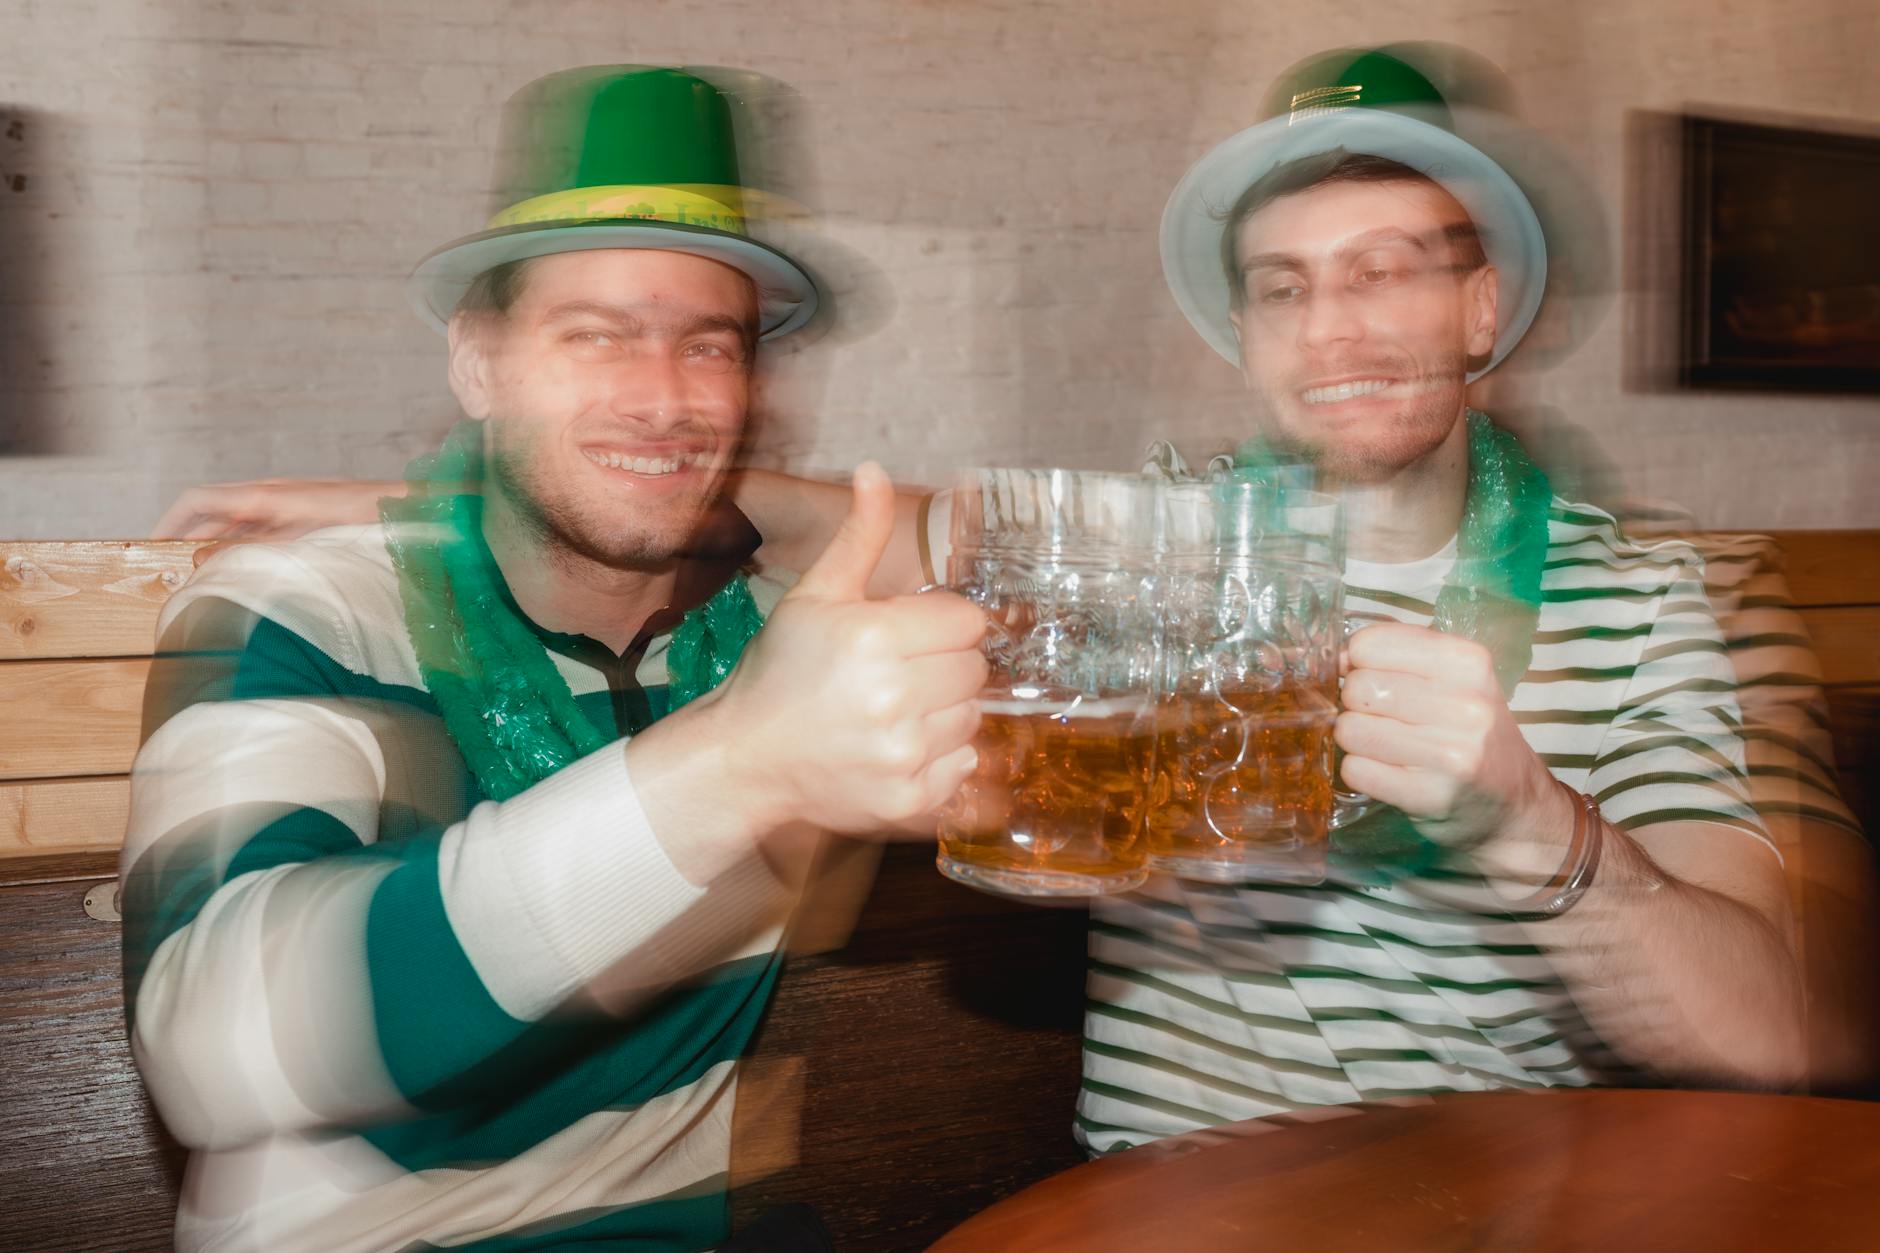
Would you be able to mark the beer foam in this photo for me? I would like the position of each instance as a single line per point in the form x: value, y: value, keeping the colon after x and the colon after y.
x: 1064, y: 710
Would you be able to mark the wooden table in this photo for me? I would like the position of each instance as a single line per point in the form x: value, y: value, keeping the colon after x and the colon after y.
x: 1615, y: 1171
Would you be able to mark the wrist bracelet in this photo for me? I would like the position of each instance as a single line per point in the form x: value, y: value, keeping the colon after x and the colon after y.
x: 1565, y: 889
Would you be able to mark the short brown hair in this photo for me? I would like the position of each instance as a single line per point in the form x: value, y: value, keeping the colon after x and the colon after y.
x: 1318, y: 170
x: 495, y: 291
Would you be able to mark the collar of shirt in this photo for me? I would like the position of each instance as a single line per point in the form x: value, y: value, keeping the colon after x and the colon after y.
x: 722, y: 546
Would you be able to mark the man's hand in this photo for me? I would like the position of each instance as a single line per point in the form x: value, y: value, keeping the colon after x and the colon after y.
x: 849, y: 713
x: 272, y: 509
x: 1425, y: 728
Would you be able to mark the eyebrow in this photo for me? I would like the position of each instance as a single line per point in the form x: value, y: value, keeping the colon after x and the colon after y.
x: 1346, y: 249
x: 635, y: 316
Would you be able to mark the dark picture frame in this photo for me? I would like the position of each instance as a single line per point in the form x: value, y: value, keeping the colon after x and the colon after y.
x: 1781, y: 273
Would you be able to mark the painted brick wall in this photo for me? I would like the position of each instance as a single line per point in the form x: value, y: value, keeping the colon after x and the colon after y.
x: 207, y: 209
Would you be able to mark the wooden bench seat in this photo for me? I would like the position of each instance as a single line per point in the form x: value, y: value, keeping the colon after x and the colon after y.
x: 901, y: 1081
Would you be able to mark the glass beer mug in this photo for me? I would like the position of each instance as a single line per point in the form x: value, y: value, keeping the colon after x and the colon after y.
x: 1247, y: 681
x: 1060, y: 560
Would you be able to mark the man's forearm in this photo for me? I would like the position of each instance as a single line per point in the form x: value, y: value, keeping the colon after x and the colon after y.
x: 797, y: 518
x: 297, y: 972
x: 1685, y: 980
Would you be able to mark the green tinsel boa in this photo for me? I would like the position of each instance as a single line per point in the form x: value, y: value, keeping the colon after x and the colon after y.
x: 505, y: 705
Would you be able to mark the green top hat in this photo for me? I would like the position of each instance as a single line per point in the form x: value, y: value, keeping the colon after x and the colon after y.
x: 618, y: 156
x: 1364, y: 102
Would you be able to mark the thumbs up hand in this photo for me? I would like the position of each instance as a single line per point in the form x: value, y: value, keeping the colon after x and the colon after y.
x: 855, y: 714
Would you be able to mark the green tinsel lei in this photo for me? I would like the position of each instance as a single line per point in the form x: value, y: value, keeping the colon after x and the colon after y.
x: 504, y: 703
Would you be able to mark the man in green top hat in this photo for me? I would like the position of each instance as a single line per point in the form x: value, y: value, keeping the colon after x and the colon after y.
x: 460, y: 857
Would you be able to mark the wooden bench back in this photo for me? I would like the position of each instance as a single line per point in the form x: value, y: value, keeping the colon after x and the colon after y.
x: 77, y: 629
x: 1833, y: 580
x: 900, y: 1082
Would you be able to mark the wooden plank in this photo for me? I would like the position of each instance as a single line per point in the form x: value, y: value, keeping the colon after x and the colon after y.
x: 64, y: 719
x: 1831, y: 567
x: 1847, y: 643
x: 84, y: 1163
x: 86, y: 598
x: 1854, y: 717
x: 46, y: 816
x: 57, y: 868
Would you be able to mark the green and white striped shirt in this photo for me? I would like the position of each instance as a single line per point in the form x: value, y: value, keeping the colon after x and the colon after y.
x: 1211, y: 1004
x: 388, y: 1013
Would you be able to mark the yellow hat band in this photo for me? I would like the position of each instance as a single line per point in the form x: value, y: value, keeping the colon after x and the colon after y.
x: 696, y: 204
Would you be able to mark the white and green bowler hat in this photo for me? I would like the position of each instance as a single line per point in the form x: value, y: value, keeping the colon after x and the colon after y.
x: 1367, y: 103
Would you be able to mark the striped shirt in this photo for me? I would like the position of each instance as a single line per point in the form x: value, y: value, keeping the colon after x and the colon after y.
x: 1789, y: 748
x: 1209, y: 1004
x: 385, y: 1012
x: 1786, y: 736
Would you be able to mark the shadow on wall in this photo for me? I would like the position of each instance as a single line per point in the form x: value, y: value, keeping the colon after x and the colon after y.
x: 25, y: 341
x: 777, y: 159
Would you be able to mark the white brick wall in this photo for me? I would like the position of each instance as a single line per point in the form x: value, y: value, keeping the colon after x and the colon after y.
x: 224, y: 195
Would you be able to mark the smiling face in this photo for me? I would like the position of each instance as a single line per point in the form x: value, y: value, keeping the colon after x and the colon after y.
x: 615, y: 387
x: 1359, y: 312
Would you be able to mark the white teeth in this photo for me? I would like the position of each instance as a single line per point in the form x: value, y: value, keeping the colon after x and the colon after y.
x: 1344, y: 391
x: 652, y: 467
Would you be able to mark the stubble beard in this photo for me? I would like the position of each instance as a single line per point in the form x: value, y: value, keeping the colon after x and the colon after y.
x: 1411, y: 435
x: 569, y: 533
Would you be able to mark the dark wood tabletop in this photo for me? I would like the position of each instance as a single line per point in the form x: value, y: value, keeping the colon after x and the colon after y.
x: 1619, y: 1171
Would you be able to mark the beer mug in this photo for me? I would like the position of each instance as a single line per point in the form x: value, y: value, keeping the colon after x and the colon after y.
x: 1247, y: 682
x: 1060, y: 560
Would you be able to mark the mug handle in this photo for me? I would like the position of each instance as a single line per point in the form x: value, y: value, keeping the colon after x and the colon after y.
x: 999, y: 641
x: 1347, y: 807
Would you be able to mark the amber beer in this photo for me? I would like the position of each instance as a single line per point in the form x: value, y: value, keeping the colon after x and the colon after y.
x: 1061, y: 561
x: 1056, y: 804
x: 1243, y: 783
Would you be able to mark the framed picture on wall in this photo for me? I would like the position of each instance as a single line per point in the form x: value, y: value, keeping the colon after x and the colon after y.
x: 1781, y: 274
